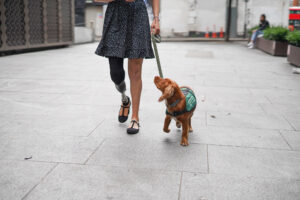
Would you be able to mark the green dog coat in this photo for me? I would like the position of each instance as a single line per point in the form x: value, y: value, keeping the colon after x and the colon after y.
x: 190, y: 101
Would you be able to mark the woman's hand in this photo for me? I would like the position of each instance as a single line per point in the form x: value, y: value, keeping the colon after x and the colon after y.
x: 155, y: 26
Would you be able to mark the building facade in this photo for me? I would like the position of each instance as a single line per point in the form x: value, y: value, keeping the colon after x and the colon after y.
x: 183, y: 17
x: 26, y: 24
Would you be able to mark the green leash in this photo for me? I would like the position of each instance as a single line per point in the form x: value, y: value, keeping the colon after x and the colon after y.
x: 157, y: 39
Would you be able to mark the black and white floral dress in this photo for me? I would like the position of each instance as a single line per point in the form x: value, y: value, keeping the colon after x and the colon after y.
x: 126, y: 31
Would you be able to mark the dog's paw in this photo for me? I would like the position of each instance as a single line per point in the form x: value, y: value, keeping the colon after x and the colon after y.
x: 184, y: 142
x: 191, y: 129
x: 167, y: 130
x: 178, y: 124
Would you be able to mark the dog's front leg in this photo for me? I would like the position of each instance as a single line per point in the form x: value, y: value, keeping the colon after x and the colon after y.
x: 167, y: 123
x: 190, y: 125
x: 185, y: 132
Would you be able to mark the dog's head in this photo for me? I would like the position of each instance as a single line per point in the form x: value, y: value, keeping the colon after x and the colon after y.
x: 166, y: 86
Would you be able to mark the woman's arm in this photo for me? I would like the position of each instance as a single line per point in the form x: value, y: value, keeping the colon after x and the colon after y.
x: 155, y: 24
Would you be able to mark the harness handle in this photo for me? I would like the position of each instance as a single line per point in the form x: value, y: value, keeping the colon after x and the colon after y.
x: 157, y: 39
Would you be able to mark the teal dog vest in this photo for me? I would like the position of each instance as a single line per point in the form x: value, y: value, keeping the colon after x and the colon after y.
x: 190, y: 101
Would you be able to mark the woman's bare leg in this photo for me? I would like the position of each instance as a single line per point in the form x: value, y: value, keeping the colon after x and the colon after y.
x: 135, y: 76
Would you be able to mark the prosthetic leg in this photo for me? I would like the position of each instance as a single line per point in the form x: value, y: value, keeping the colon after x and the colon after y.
x: 117, y: 74
x: 122, y: 88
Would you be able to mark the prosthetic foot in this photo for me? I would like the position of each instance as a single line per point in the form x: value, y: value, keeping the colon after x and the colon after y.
x: 125, y: 107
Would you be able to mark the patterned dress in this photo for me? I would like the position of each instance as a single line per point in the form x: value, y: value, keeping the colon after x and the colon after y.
x: 126, y: 31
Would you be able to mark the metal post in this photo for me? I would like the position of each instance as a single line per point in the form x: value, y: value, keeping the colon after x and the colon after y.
x: 228, y: 24
x: 3, y: 26
x: 45, y: 21
x: 246, y: 17
x: 73, y: 20
x: 59, y: 15
x: 26, y: 20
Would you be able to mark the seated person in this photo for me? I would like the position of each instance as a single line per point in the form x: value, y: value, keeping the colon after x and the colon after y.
x: 264, y: 24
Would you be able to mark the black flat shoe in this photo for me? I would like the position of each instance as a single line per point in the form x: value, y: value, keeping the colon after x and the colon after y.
x: 132, y: 130
x: 124, y: 111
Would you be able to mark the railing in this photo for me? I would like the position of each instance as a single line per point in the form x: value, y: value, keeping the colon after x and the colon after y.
x: 28, y: 24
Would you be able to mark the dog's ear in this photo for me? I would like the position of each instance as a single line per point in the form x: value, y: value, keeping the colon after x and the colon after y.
x: 168, y: 92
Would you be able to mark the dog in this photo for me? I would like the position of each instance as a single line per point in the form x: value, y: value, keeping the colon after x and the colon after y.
x: 181, y: 103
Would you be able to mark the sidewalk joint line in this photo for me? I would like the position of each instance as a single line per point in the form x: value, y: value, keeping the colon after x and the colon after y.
x: 288, y: 122
x: 180, y: 183
x: 94, y: 152
x: 280, y: 133
x: 95, y: 128
x: 43, y: 178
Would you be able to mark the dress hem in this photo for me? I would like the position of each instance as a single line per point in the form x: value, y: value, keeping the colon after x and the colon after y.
x: 130, y: 53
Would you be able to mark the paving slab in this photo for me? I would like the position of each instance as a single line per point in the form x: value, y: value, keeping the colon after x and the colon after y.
x: 67, y: 149
x: 254, y: 162
x: 138, y: 153
x: 242, y: 107
x: 242, y: 137
x: 225, y: 136
x: 149, y: 131
x: 17, y: 178
x: 231, y: 95
x: 280, y: 109
x: 27, y: 97
x: 242, y: 120
x: 55, y: 124
x: 214, y: 187
x: 275, y: 96
x: 77, y: 182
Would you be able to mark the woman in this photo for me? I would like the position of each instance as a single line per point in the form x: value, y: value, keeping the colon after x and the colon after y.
x: 126, y: 34
x: 263, y: 25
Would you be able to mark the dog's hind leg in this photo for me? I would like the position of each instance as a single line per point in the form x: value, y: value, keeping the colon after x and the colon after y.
x: 190, y: 125
x: 167, y: 123
x: 185, y: 133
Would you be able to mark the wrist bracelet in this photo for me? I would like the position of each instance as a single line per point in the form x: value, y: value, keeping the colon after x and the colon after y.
x: 156, y: 17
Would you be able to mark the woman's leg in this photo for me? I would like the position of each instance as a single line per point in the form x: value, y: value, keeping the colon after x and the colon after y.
x: 117, y: 75
x: 254, y: 36
x: 135, y: 76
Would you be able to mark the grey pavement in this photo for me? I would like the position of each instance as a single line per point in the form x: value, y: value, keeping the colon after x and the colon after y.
x: 59, y: 109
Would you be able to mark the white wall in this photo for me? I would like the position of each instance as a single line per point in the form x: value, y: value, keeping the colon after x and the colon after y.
x: 83, y: 35
x: 178, y: 17
x: 174, y: 17
x: 277, y: 11
x: 95, y: 14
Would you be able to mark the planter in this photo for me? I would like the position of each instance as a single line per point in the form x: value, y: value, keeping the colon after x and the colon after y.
x: 294, y: 55
x: 275, y: 48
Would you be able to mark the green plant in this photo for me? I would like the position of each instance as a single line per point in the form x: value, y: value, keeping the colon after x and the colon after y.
x: 276, y: 33
x: 252, y: 29
x: 294, y: 38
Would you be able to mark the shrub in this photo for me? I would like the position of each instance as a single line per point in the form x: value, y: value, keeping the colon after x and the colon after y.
x: 276, y: 33
x: 294, y: 38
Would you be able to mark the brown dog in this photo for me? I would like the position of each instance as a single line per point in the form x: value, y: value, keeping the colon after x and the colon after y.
x: 181, y: 103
